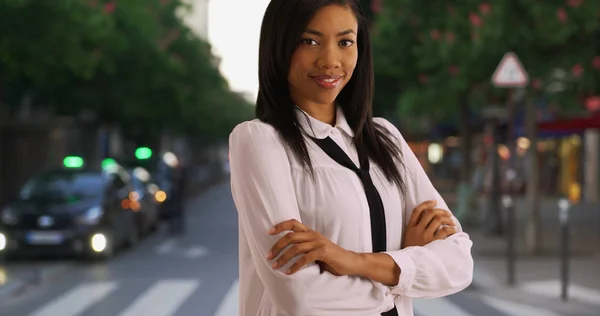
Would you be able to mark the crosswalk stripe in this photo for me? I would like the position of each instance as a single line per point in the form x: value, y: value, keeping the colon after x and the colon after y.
x: 77, y: 300
x: 438, y: 306
x: 162, y: 299
x: 516, y: 309
x: 230, y: 304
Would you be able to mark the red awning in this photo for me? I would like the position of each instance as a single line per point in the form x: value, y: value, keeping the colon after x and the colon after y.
x: 570, y: 125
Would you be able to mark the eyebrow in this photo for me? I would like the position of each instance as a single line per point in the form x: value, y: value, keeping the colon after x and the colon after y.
x: 342, y: 33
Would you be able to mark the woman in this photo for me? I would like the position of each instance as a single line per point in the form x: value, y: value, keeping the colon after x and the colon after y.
x: 318, y: 234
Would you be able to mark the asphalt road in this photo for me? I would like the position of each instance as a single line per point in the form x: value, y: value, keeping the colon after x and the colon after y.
x: 194, y: 275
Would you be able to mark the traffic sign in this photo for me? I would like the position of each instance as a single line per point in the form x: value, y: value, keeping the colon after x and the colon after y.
x: 510, y: 73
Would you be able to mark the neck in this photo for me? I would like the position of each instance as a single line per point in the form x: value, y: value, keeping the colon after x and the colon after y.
x: 321, y: 112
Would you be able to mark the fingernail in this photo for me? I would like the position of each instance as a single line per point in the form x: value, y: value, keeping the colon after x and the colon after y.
x: 288, y: 272
x: 269, y: 255
x: 274, y: 265
x: 272, y: 230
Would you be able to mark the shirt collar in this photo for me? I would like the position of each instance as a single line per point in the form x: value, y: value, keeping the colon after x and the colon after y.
x: 320, y: 130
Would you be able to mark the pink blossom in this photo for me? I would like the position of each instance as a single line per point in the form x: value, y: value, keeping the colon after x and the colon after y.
x: 435, y: 34
x: 485, y: 8
x: 475, y: 19
x: 596, y: 62
x: 110, y: 7
x: 574, y: 3
x: 577, y: 70
x: 561, y: 14
x: 453, y: 70
x: 376, y: 6
x: 450, y: 37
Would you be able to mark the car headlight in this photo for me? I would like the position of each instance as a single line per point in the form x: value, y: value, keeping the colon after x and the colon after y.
x: 9, y: 216
x: 91, y: 216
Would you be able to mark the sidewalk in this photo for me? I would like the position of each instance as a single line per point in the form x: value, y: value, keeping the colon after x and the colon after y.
x: 538, y: 277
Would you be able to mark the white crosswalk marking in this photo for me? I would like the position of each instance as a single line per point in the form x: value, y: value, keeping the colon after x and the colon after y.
x: 516, y: 309
x: 166, y: 247
x: 438, y: 306
x: 229, y: 305
x: 196, y: 252
x: 162, y: 299
x: 77, y: 300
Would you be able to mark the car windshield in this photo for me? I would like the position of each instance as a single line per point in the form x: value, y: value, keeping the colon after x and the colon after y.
x: 63, y: 186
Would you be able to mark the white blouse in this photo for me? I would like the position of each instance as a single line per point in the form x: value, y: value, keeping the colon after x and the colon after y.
x: 270, y: 186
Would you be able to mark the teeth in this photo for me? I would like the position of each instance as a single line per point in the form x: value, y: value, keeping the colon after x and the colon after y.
x: 330, y: 79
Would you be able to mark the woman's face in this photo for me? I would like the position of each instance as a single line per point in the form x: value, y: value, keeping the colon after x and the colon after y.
x: 325, y: 58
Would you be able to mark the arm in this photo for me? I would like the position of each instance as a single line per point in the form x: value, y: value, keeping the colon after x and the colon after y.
x: 264, y: 195
x: 442, y: 267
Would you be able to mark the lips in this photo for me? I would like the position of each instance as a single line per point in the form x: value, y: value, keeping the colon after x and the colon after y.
x: 327, y: 81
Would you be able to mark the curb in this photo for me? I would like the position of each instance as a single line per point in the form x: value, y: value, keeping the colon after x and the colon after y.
x: 38, y: 276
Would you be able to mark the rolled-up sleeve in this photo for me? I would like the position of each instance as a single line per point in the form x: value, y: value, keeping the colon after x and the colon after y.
x: 442, y: 267
x: 264, y: 195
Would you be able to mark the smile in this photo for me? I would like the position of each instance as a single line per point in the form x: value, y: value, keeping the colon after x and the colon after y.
x: 327, y: 82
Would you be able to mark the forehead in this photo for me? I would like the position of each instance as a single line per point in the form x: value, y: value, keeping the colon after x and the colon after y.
x: 334, y: 18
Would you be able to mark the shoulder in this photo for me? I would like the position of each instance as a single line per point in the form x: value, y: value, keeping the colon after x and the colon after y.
x: 254, y: 134
x: 390, y: 128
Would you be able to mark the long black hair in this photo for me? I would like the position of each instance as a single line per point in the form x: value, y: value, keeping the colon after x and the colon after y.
x: 281, y: 31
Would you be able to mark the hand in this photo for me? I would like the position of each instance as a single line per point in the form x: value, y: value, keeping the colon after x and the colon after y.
x: 424, y: 225
x: 314, y: 246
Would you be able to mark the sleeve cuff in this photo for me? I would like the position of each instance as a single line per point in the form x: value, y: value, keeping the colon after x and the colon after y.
x: 407, y: 271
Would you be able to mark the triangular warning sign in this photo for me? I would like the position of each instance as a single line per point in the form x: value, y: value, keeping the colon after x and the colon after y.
x: 510, y: 73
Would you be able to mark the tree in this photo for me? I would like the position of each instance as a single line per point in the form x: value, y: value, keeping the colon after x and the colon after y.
x: 133, y: 63
x: 450, y: 49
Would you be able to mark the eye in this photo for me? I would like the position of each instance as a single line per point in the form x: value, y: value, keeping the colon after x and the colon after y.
x: 309, y: 41
x: 346, y: 43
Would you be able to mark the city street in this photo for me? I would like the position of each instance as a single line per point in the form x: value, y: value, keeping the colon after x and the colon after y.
x: 192, y: 276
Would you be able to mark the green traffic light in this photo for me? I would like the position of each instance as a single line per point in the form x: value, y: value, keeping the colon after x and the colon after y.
x: 143, y: 153
x: 107, y: 162
x: 73, y: 162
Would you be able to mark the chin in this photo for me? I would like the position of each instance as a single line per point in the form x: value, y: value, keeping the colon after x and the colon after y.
x: 325, y: 97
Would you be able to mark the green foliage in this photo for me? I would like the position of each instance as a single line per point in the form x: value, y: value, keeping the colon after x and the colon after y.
x: 131, y: 62
x: 429, y: 55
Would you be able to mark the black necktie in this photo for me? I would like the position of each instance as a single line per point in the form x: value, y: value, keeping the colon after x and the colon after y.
x: 378, y: 230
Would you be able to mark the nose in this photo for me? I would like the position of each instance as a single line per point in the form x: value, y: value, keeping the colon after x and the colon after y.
x: 329, y: 58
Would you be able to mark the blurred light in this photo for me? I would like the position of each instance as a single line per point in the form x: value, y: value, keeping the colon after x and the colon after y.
x: 574, y: 192
x: 523, y: 142
x: 73, y: 162
x: 141, y: 174
x: 143, y: 153
x: 153, y: 188
x: 2, y: 241
x: 135, y: 206
x: 170, y: 159
x: 108, y: 162
x: 435, y: 153
x: 160, y: 196
x: 134, y: 196
x: 503, y: 152
x: 98, y: 242
x: 126, y: 204
x: 3, y: 276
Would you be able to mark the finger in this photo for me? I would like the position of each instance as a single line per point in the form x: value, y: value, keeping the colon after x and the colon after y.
x: 418, y: 211
x: 292, y: 224
x: 433, y: 227
x: 430, y: 214
x: 294, y: 251
x: 445, y: 232
x: 304, y: 260
x: 288, y: 239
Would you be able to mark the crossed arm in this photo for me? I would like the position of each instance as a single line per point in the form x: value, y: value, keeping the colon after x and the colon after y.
x: 264, y: 195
